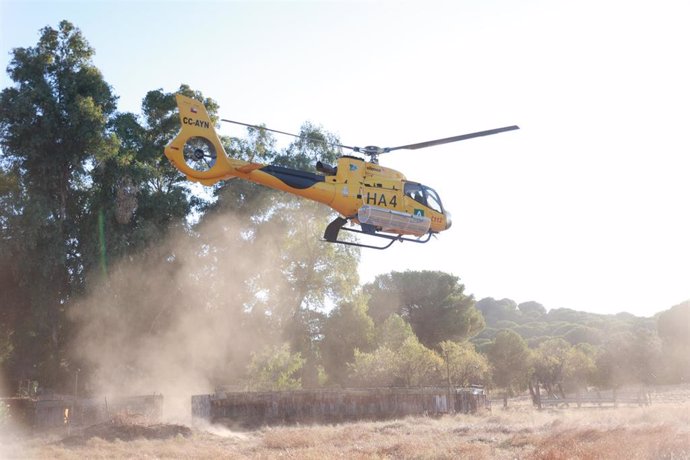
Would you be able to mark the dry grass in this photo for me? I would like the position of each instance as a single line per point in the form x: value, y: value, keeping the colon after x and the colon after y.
x: 658, y: 431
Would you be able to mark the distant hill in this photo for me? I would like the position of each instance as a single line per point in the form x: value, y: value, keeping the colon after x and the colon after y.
x: 535, y: 324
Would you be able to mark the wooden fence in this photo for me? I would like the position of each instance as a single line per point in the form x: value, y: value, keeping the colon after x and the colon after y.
x: 250, y: 409
x: 59, y: 411
x: 597, y: 399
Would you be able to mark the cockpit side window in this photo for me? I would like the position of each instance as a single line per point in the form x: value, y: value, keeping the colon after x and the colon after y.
x: 432, y: 199
x: 416, y: 192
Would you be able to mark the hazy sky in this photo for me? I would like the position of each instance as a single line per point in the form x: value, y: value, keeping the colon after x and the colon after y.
x: 586, y: 207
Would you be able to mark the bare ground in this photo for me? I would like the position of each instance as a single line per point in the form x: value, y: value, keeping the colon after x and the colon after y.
x: 659, y: 431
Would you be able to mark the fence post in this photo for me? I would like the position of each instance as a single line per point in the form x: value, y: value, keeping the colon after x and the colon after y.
x: 615, y: 397
x: 451, y: 399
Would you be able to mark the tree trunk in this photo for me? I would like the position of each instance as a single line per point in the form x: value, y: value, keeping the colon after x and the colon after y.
x: 532, y: 392
x: 538, y: 393
x: 560, y: 390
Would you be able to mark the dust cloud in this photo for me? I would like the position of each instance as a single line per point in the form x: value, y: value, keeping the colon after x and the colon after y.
x: 10, y: 432
x: 178, y: 319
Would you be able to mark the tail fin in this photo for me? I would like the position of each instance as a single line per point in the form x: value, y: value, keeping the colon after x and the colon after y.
x: 196, y: 150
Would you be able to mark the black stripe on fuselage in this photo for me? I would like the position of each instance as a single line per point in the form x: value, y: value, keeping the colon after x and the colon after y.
x: 293, y: 177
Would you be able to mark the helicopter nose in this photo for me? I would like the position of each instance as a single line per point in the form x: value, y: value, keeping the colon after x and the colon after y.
x: 449, y: 219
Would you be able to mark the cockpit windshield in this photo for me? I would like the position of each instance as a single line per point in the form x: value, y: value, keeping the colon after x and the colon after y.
x: 424, y: 195
x: 432, y: 199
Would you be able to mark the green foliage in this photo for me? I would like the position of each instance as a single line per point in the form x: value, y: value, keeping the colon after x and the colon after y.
x: 463, y: 365
x: 275, y: 368
x: 393, y: 332
x: 412, y: 364
x: 84, y: 189
x: 289, y: 227
x: 566, y: 315
x: 137, y: 196
x: 498, y: 310
x: 347, y: 328
x: 583, y: 334
x: 630, y: 357
x: 548, y: 362
x: 376, y: 369
x: 432, y: 302
x: 580, y: 366
x: 417, y: 364
x: 53, y: 126
x: 304, y: 275
x: 532, y: 322
x: 532, y: 310
x: 532, y: 330
x: 5, y: 417
x: 312, y: 274
x: 510, y: 362
x: 673, y: 327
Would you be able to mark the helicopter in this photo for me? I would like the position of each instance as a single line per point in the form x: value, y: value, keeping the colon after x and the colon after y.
x: 380, y: 200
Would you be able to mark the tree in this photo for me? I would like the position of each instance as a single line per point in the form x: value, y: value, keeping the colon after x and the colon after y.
x: 347, y: 328
x: 418, y: 365
x: 142, y: 260
x: 629, y: 357
x: 393, y: 332
x: 137, y: 196
x: 432, y: 302
x: 275, y: 368
x: 673, y: 326
x: 580, y: 366
x: 410, y: 364
x: 498, y: 310
x: 53, y: 128
x: 548, y: 364
x: 270, y: 243
x: 10, y: 292
x: 532, y: 310
x: 376, y: 369
x: 464, y: 366
x: 399, y: 359
x: 509, y: 358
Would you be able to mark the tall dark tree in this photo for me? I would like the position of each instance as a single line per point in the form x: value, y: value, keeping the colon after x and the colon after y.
x: 434, y: 303
x: 10, y: 293
x: 53, y: 128
x: 137, y: 195
x: 136, y: 201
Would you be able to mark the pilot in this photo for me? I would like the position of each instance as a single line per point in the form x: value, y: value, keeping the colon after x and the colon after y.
x: 419, y: 197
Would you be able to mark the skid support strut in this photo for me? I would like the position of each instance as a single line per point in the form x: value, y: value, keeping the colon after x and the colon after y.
x: 331, y: 235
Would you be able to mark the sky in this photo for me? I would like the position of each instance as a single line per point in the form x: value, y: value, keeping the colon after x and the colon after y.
x: 586, y: 207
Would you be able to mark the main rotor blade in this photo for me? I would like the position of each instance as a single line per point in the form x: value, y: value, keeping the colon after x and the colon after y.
x: 448, y: 140
x: 282, y: 132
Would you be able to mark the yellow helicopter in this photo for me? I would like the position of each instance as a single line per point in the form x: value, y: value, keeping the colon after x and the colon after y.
x: 380, y: 200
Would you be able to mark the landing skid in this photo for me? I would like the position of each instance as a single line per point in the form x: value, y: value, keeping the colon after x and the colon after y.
x: 331, y: 235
